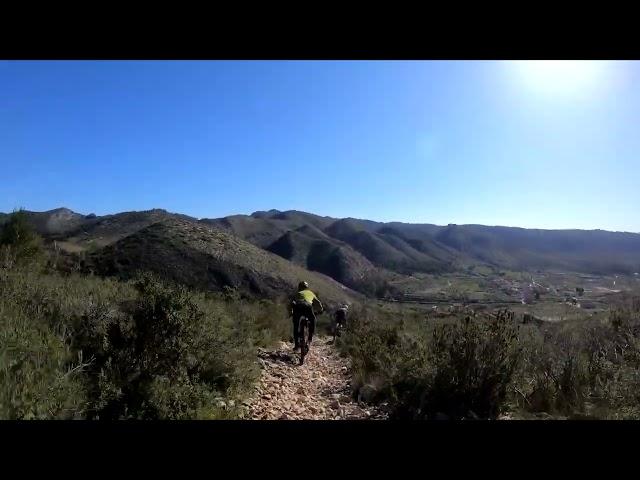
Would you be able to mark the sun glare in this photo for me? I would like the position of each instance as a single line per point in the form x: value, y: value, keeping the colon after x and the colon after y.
x: 561, y: 77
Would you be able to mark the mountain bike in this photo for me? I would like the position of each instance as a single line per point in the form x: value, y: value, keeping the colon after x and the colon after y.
x: 337, y: 329
x: 302, y: 336
x: 303, y: 332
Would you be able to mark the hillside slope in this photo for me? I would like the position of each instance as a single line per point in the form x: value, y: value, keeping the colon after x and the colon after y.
x: 407, y: 248
x: 52, y: 222
x: 264, y: 228
x: 208, y: 259
x: 76, y: 232
x: 312, y: 249
x: 362, y: 253
x: 588, y: 251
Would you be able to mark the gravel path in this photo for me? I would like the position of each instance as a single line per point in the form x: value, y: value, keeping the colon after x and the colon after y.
x: 318, y: 390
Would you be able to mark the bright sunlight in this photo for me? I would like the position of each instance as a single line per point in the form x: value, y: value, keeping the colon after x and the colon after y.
x: 562, y: 77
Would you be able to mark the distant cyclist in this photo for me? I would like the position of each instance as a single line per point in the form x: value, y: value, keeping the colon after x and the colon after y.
x: 340, y: 316
x: 302, y: 306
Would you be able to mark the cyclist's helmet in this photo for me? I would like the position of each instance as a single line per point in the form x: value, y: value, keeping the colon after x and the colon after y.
x: 303, y: 286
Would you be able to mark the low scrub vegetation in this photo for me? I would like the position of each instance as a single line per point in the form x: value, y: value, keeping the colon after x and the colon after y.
x: 487, y: 366
x: 19, y: 245
x: 81, y: 347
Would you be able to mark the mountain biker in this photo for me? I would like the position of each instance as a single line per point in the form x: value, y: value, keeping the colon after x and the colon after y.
x: 340, y: 315
x: 302, y: 306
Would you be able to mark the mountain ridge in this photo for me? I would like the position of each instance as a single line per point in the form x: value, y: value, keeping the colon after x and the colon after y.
x: 380, y: 222
x: 361, y: 254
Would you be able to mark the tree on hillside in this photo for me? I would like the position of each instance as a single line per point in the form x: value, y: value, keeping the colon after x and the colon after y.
x: 18, y: 240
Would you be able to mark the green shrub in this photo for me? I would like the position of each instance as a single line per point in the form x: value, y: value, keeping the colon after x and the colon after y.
x: 473, y: 364
x: 614, y: 364
x: 39, y: 375
x: 160, y: 357
x: 482, y: 366
x: 19, y: 244
x: 384, y: 351
x: 555, y: 378
x: 140, y: 349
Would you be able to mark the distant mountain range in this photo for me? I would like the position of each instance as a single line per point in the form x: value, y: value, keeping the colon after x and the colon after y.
x: 409, y: 248
x: 176, y: 247
x: 248, y: 250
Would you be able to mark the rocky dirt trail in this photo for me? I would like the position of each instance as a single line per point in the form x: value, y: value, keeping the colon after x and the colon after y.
x: 318, y: 390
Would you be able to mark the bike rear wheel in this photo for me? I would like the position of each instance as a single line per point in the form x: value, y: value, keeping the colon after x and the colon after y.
x: 304, y: 347
x: 337, y: 331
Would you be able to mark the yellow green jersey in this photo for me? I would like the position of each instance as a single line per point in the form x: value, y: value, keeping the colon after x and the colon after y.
x: 308, y: 297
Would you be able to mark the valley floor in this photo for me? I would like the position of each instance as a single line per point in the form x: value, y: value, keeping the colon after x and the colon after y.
x: 318, y: 390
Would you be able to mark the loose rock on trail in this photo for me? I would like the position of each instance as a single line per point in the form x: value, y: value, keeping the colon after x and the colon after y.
x: 318, y: 390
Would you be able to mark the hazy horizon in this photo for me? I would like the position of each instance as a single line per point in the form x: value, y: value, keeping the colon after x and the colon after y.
x: 542, y: 145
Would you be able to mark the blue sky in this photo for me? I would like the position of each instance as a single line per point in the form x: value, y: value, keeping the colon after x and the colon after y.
x: 494, y: 143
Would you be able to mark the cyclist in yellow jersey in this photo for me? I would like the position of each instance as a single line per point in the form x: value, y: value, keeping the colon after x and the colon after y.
x: 302, y: 306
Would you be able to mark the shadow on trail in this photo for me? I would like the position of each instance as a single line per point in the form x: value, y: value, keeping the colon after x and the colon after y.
x: 289, y: 358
